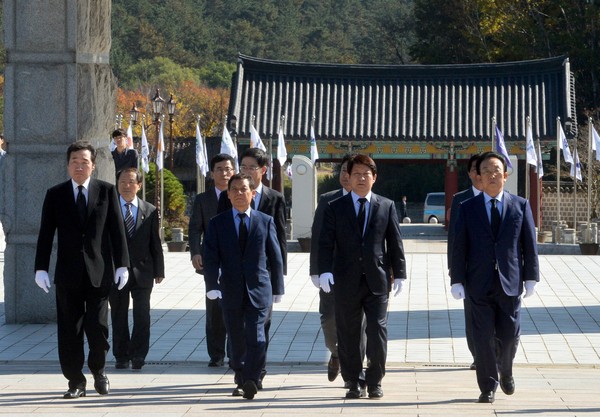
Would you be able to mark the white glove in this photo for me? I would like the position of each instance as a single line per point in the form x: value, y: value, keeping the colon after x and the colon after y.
x: 277, y: 298
x: 213, y: 294
x: 325, y: 279
x: 529, y: 288
x: 397, y: 287
x: 458, y: 291
x: 121, y: 277
x: 42, y: 280
x: 315, y: 281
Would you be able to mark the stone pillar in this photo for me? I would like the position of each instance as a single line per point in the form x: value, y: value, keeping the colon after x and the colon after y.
x: 304, y: 196
x: 450, y: 186
x: 59, y: 88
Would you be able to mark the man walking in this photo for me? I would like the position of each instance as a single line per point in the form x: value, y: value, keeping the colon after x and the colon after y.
x: 91, y: 238
x: 494, y: 254
x: 358, y: 245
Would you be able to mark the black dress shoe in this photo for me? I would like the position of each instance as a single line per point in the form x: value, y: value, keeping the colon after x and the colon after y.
x: 473, y: 367
x: 122, y: 364
x: 238, y: 391
x: 101, y: 384
x: 487, y: 397
x: 250, y: 389
x: 356, y: 391
x: 216, y: 363
x: 507, y: 384
x: 375, y: 391
x: 333, y: 368
x: 73, y: 393
x: 137, y: 363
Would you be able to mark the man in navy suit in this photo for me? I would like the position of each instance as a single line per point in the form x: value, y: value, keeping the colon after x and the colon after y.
x: 206, y: 206
x: 242, y: 244
x: 458, y: 198
x: 359, y: 243
x: 494, y: 255
x: 85, y: 214
x: 266, y: 200
x: 147, y: 266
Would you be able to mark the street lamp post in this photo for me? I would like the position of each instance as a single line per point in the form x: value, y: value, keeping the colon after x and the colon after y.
x: 157, y: 105
x: 171, y: 104
x: 233, y: 129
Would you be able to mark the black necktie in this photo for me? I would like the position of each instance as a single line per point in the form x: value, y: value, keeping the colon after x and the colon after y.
x: 129, y: 223
x: 224, y: 204
x: 81, y: 205
x: 362, y: 215
x: 495, y: 217
x: 243, y: 231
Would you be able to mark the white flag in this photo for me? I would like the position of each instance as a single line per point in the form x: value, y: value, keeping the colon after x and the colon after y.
x: 269, y: 172
x: 501, y: 146
x: 255, y: 140
x: 576, y: 167
x: 160, y: 149
x: 201, y: 157
x: 595, y: 142
x: 281, y: 151
x: 314, y: 152
x: 530, y: 147
x: 145, y: 151
x: 228, y: 147
x: 562, y: 143
x: 129, y: 137
x: 540, y: 163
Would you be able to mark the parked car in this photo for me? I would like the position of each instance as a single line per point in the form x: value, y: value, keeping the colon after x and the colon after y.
x: 434, y: 209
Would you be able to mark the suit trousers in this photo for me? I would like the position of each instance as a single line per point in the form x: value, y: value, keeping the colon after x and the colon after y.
x: 496, y: 330
x: 80, y: 310
x: 126, y: 347
x: 215, y: 330
x: 247, y: 340
x: 349, y: 312
x: 469, y: 326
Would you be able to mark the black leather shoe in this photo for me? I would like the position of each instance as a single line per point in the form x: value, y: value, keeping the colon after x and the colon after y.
x: 216, y: 363
x: 507, y: 384
x: 375, y: 391
x: 487, y: 397
x: 122, y: 364
x: 101, y: 384
x: 355, y: 391
x: 238, y: 391
x: 250, y: 389
x: 333, y: 368
x: 137, y: 363
x: 473, y: 367
x: 73, y: 393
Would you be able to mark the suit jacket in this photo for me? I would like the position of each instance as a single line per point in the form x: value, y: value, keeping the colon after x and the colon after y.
x: 273, y: 204
x: 347, y: 255
x: 475, y: 251
x: 456, y: 200
x: 145, y: 247
x: 243, y: 271
x: 97, y: 246
x: 317, y: 225
x: 204, y: 209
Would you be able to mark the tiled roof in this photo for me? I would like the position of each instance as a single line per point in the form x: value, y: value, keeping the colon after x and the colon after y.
x: 402, y: 102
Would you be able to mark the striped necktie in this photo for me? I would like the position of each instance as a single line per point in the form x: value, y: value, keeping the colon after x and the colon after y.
x: 129, y: 223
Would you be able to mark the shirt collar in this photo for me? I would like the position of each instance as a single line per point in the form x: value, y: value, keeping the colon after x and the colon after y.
x: 86, y: 184
x: 487, y: 198
x: 476, y: 192
x: 355, y: 197
x: 236, y: 212
x: 134, y: 202
x: 259, y: 188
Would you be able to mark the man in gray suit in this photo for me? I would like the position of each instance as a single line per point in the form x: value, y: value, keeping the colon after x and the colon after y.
x: 206, y: 206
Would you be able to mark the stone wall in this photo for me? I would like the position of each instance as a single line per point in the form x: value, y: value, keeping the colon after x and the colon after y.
x: 570, y: 205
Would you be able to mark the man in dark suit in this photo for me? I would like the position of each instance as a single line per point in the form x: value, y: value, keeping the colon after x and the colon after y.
x: 266, y: 200
x: 147, y: 266
x: 359, y: 243
x: 494, y: 254
x: 458, y: 198
x: 206, y: 206
x: 91, y: 241
x: 327, y: 300
x: 123, y: 157
x: 242, y: 243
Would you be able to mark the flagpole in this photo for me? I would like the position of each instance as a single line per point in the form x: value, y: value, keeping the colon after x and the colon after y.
x: 141, y: 156
x: 575, y: 162
x: 493, y: 133
x: 538, y: 188
x: 527, y: 179
x: 271, y: 160
x: 558, y: 148
x: 589, y: 175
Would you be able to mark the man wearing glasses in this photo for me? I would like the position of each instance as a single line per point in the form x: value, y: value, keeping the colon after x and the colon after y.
x: 206, y: 206
x: 271, y: 202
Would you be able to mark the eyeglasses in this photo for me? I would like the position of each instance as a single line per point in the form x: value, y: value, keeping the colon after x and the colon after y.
x: 490, y: 173
x: 223, y: 170
x: 362, y: 174
x: 249, y: 168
